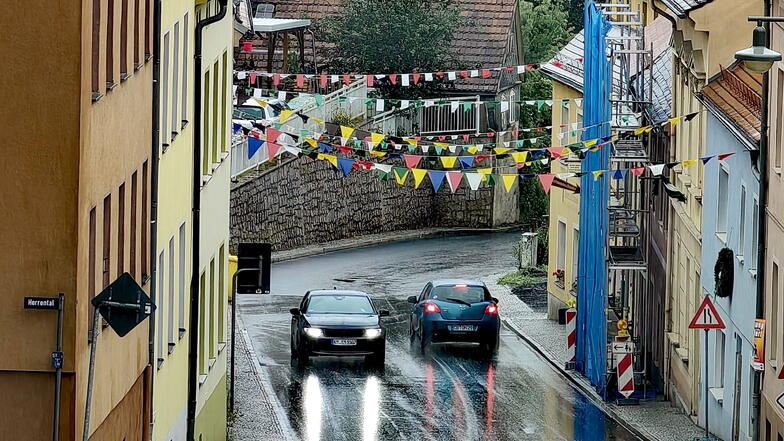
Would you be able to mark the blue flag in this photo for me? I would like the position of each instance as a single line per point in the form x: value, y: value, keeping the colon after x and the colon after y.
x: 436, y: 178
x: 466, y: 161
x: 619, y: 174
x: 325, y: 148
x: 253, y: 146
x: 346, y: 165
x: 236, y: 127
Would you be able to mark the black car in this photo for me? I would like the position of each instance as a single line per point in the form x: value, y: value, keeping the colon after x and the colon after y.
x: 337, y: 323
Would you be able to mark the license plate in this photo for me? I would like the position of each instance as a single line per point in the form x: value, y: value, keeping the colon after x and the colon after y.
x: 461, y: 328
x: 344, y: 341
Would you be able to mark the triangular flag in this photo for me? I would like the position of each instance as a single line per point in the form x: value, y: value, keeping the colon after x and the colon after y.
x: 285, y: 114
x: 501, y: 150
x: 689, y: 163
x: 657, y: 169
x: 272, y: 134
x: 436, y: 178
x: 597, y: 173
x: 705, y: 159
x: 253, y: 146
x: 519, y: 156
x: 386, y: 168
x: 509, y: 180
x: 725, y: 156
x: 273, y: 149
x: 419, y: 175
x: 412, y: 160
x: 400, y: 175
x: 346, y: 132
x: 454, y: 179
x: 346, y: 165
x: 448, y: 161
x: 619, y: 174
x: 331, y: 158
x: 555, y: 151
x: 466, y: 161
x: 675, y: 120
x: 637, y: 171
x: 547, y: 181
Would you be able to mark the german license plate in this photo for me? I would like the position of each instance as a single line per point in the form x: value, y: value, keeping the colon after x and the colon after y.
x: 461, y: 328
x: 344, y: 341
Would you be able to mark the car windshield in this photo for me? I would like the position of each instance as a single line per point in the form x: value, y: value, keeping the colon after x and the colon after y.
x: 459, y: 293
x: 339, y: 304
x: 249, y: 112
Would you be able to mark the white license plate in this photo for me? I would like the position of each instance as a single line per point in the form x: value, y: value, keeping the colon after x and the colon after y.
x: 461, y: 328
x: 344, y: 341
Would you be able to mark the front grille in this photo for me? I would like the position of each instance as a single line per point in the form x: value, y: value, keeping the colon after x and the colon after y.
x: 344, y: 332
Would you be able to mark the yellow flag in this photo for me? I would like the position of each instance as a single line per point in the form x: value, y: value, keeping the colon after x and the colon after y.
x: 377, y: 153
x: 261, y: 103
x: 346, y: 132
x: 519, y: 156
x: 485, y: 171
x: 317, y: 120
x: 376, y: 138
x: 566, y: 151
x: 448, y: 161
x: 688, y: 163
x: 596, y: 149
x: 639, y: 131
x: 471, y: 149
x: 411, y: 141
x: 590, y: 142
x: 675, y: 120
x: 441, y: 144
x: 285, y: 114
x: 331, y: 158
x: 400, y: 179
x: 597, y: 173
x: 501, y: 150
x: 419, y: 175
x: 311, y: 141
x: 509, y: 180
x: 648, y: 129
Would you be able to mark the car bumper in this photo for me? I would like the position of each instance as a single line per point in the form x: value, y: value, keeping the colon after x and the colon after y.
x: 442, y: 331
x: 324, y: 346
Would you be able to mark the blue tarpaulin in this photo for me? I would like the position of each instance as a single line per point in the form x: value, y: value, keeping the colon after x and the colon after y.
x: 594, y: 194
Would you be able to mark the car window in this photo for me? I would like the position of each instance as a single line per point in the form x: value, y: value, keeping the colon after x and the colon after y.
x: 339, y: 304
x: 249, y: 112
x: 425, y: 292
x: 465, y: 293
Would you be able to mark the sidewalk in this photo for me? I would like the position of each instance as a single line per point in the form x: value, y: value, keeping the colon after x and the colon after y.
x: 650, y: 420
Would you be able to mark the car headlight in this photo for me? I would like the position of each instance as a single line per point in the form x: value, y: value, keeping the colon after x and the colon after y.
x: 313, y: 332
x: 372, y: 332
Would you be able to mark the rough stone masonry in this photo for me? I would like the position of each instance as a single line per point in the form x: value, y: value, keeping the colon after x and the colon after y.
x: 304, y: 202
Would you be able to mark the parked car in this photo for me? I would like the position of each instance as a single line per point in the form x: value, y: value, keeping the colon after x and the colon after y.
x: 454, y: 310
x: 253, y: 111
x: 338, y: 323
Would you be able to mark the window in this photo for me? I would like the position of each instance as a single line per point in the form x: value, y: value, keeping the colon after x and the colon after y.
x: 144, y: 222
x: 107, y: 239
x: 773, y: 321
x: 202, y: 305
x: 160, y: 308
x: 147, y: 48
x: 91, y: 265
x: 723, y: 194
x: 134, y: 193
x: 136, y: 48
x: 121, y: 230
x: 565, y: 117
x: 181, y: 275
x: 110, y: 83
x: 779, y: 120
x: 754, y: 234
x: 575, y: 251
x: 742, y: 226
x: 222, y: 294
x: 124, y: 40
x: 718, y: 353
x: 96, y: 46
x: 205, y: 160
x: 175, y: 78
x: 170, y: 315
x: 223, y: 115
x: 212, y: 308
x: 561, y: 252
x: 185, y: 35
x: 215, y: 114
x: 165, y: 135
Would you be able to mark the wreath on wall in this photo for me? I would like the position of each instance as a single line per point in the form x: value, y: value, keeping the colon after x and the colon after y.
x: 723, y: 272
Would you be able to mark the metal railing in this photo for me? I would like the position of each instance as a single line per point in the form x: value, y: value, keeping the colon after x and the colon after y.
x: 240, y: 163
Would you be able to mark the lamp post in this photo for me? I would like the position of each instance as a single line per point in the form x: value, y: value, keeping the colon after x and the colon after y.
x: 759, y: 58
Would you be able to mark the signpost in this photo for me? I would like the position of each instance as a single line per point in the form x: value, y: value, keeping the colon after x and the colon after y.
x: 706, y: 318
x: 53, y: 304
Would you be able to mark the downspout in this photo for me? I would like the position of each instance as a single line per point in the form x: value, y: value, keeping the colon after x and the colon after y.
x: 154, y: 160
x: 193, y: 341
x: 761, y: 225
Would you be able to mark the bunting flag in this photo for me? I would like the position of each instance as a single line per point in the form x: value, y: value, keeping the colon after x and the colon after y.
x: 509, y: 180
x: 501, y: 150
x: 619, y: 174
x: 419, y: 175
x: 637, y: 171
x: 597, y: 173
x: 273, y: 149
x: 285, y: 114
x: 466, y: 161
x: 331, y: 158
x: 519, y: 157
x: 547, y: 181
x: 436, y: 178
x: 400, y: 175
x: 412, y: 161
x: 689, y: 163
x: 253, y: 146
x: 474, y: 180
x: 346, y: 132
x: 346, y: 165
x: 454, y: 178
x: 705, y: 159
x: 448, y: 161
x: 725, y: 156
x: 657, y: 169
x: 386, y: 168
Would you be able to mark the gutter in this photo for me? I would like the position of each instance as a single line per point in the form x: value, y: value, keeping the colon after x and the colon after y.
x: 193, y: 341
x: 154, y: 161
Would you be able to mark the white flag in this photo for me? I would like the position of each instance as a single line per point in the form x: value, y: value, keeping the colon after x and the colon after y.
x: 380, y: 105
x: 428, y: 76
x: 257, y: 93
x: 474, y: 180
x: 453, y: 105
x: 404, y: 104
x: 404, y: 80
x: 386, y: 168
x: 334, y: 78
x: 451, y: 76
x: 657, y: 169
x: 425, y: 148
x: 241, y: 75
x: 282, y: 95
x: 429, y: 103
x: 520, y: 69
x: 474, y: 73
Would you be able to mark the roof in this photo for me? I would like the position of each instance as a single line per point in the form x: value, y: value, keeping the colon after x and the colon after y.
x: 442, y: 282
x: 661, y: 102
x: 278, y: 24
x: 682, y: 7
x: 480, y: 42
x: 566, y: 70
x: 734, y: 96
x: 340, y: 292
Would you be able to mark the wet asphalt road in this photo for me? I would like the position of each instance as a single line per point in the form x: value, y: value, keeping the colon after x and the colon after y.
x: 450, y: 393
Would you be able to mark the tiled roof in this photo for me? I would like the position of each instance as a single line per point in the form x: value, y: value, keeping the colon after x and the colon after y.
x: 481, y: 41
x: 683, y: 7
x: 734, y: 95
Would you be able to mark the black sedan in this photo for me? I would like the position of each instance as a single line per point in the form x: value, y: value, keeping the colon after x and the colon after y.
x: 337, y: 323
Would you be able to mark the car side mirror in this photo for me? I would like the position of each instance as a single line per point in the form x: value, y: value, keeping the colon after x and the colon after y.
x: 412, y: 299
x: 294, y: 311
x: 383, y: 313
x: 495, y: 300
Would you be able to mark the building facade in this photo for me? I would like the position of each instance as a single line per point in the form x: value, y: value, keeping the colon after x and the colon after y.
x: 78, y: 212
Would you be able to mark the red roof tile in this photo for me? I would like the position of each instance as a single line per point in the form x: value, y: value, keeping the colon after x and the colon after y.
x: 737, y: 94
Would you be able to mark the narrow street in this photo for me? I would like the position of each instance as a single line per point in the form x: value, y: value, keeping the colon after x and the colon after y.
x: 448, y: 393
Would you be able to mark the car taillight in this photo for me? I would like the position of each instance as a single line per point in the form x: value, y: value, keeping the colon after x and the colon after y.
x: 431, y: 308
x: 491, y: 309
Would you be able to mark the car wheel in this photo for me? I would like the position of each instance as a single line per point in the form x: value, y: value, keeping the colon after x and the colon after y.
x: 423, y: 342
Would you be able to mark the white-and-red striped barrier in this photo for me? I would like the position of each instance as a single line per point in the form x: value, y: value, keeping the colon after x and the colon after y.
x: 571, y: 335
x: 625, y: 374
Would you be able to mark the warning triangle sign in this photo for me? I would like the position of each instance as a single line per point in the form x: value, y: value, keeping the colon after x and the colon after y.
x: 706, y: 317
x: 781, y: 377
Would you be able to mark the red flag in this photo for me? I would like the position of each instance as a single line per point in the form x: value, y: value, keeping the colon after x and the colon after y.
x: 479, y: 158
x: 255, y: 135
x: 247, y: 46
x: 370, y: 79
x: 300, y: 80
x: 515, y: 133
x: 412, y: 160
x: 638, y: 171
x: 725, y: 156
x: 345, y: 150
x: 464, y: 74
x: 580, y: 59
x: 510, y: 68
x: 273, y: 149
x: 556, y: 63
x: 323, y: 81
x: 415, y: 77
x: 253, y: 78
x: 547, y: 181
x: 442, y: 138
x: 465, y: 138
x: 276, y: 79
x: 485, y: 73
x: 521, y: 165
x: 417, y: 138
x: 440, y: 74
x: 272, y: 134
x: 393, y: 78
x: 529, y: 67
x: 347, y: 79
x: 555, y: 151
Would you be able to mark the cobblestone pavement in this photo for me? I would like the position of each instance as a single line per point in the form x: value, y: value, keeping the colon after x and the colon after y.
x: 655, y: 420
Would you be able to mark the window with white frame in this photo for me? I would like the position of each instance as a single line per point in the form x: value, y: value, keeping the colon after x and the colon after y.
x: 718, y: 362
x: 160, y: 309
x: 170, y: 309
x: 175, y: 79
x: 742, y: 226
x: 723, y: 196
x: 754, y: 232
x: 561, y: 253
x: 165, y: 133
x: 181, y: 279
x: 185, y: 35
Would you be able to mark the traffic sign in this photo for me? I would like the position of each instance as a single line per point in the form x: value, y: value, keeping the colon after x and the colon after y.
x: 123, y: 304
x: 706, y: 317
x: 781, y: 374
x: 52, y: 303
x: 780, y: 401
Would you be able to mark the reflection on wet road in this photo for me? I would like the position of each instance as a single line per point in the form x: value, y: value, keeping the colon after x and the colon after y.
x: 451, y: 392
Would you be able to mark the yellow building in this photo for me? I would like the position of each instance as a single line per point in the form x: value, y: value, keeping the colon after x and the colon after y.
x: 705, y: 38
x: 175, y: 265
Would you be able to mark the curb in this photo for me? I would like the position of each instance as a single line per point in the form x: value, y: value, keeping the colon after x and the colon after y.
x: 587, y: 391
x: 314, y: 250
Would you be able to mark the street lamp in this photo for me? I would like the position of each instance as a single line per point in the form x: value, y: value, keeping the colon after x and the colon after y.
x: 758, y: 58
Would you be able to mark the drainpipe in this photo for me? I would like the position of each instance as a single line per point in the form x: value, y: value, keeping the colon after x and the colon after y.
x: 761, y: 226
x: 154, y: 160
x: 193, y: 341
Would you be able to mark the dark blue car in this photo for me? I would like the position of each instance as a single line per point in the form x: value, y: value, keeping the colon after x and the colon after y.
x: 454, y: 310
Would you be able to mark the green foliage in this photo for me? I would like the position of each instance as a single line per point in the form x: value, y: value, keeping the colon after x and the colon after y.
x: 344, y: 118
x: 524, y: 276
x: 542, y: 236
x: 544, y: 24
x: 293, y: 61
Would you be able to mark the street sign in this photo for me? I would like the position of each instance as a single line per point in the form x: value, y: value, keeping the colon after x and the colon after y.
x: 622, y: 347
x: 50, y: 303
x: 780, y: 401
x: 758, y: 359
x: 123, y: 304
x: 706, y: 317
